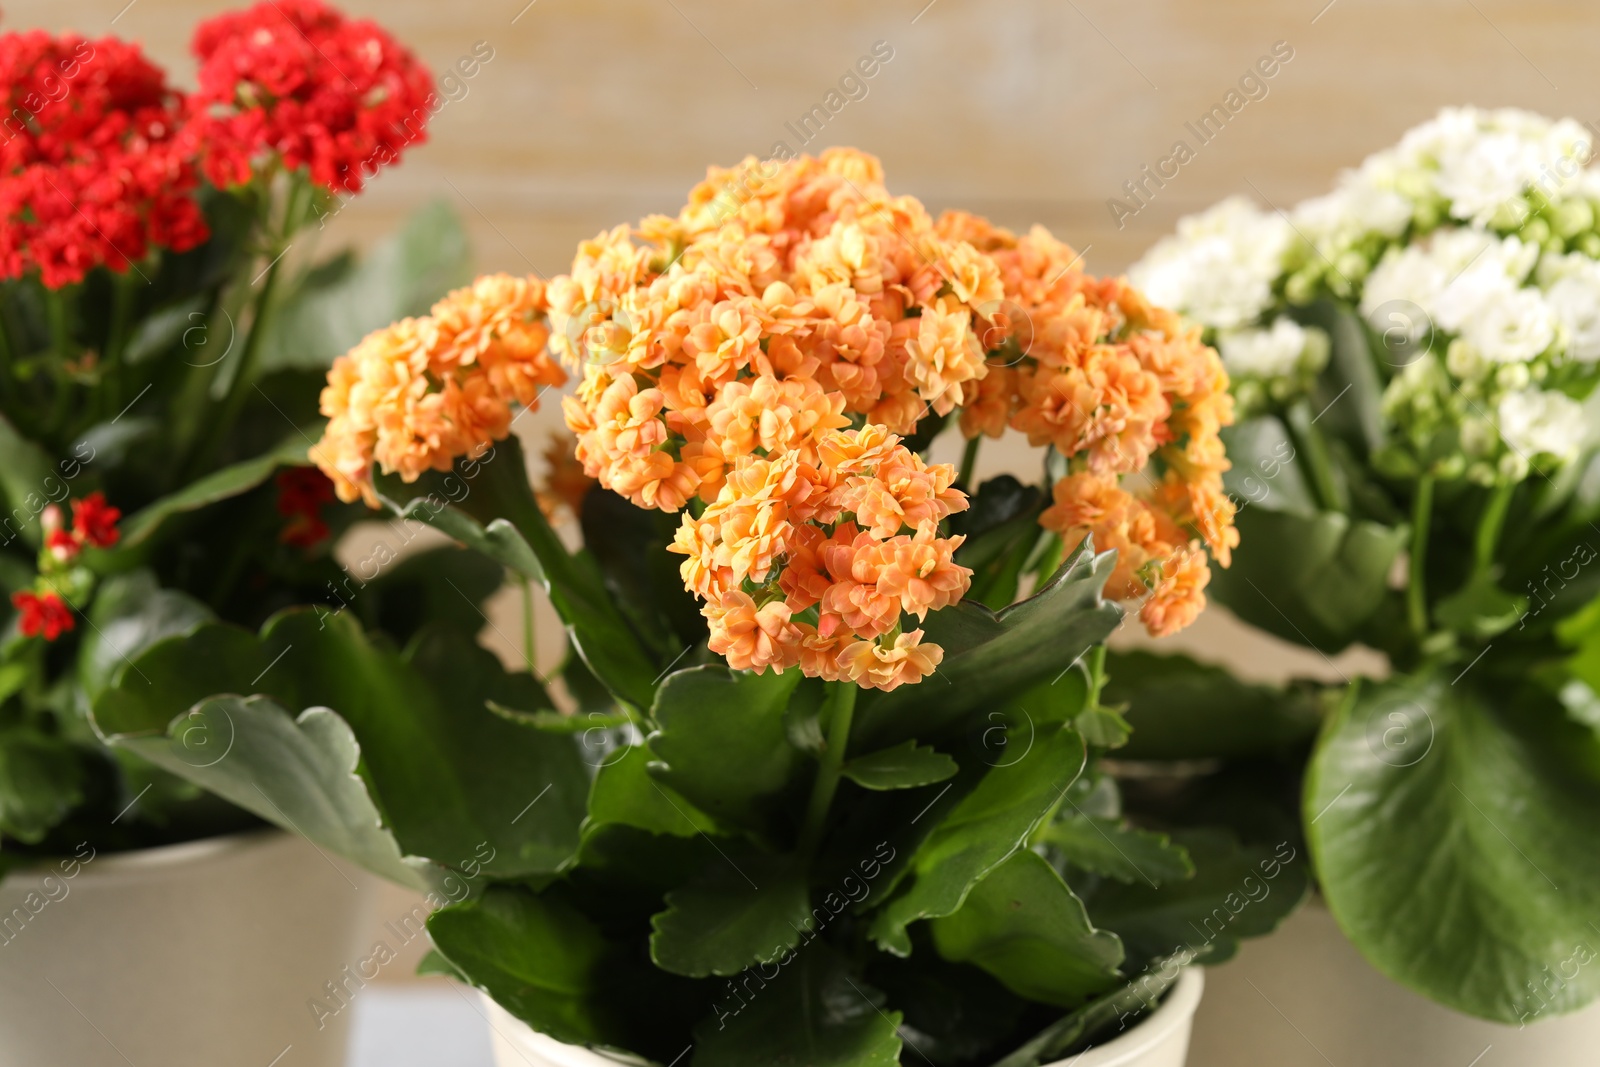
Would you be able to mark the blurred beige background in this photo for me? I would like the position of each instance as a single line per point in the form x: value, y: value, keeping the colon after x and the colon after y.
x: 594, y: 112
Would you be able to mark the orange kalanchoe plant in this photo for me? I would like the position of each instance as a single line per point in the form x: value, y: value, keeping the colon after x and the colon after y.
x: 753, y: 363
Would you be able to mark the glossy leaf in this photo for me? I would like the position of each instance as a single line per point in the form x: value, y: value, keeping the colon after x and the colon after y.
x: 991, y: 657
x: 980, y: 832
x: 1109, y: 847
x: 42, y: 778
x: 1024, y: 926
x: 905, y: 766
x: 745, y: 909
x: 1312, y: 580
x: 722, y: 741
x: 218, y: 485
x: 447, y: 773
x: 1454, y: 840
x: 131, y: 612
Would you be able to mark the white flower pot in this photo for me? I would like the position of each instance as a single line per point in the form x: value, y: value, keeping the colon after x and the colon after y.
x: 1304, y: 997
x: 202, y: 954
x: 1160, y: 1040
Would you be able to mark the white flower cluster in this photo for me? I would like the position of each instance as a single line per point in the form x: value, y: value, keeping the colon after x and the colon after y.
x: 1471, y: 251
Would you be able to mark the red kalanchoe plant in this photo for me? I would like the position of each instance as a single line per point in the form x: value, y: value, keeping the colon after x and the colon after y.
x: 91, y: 172
x: 42, y: 614
x: 297, y: 80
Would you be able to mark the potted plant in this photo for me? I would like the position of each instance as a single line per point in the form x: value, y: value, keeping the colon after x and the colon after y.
x: 160, y: 320
x: 1414, y: 356
x: 825, y: 771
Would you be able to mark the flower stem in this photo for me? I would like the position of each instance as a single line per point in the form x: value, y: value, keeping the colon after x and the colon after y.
x: 1490, y: 525
x: 1416, y: 593
x: 969, y: 462
x: 1097, y: 676
x: 830, y: 765
x: 527, y: 625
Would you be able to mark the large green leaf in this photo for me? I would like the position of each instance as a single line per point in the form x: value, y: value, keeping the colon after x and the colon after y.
x: 722, y: 742
x: 1180, y: 708
x: 1070, y: 1031
x: 1348, y: 394
x: 444, y: 586
x: 300, y: 773
x: 905, y: 766
x: 977, y: 834
x: 812, y: 1014
x: 991, y: 657
x: 342, y: 301
x: 218, y: 485
x: 131, y: 613
x: 542, y: 960
x: 1454, y: 839
x: 743, y: 910
x: 1024, y: 926
x: 1264, y: 472
x: 1310, y: 579
x: 1237, y: 891
x: 448, y: 774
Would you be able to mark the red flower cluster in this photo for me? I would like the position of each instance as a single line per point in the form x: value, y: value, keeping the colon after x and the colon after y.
x: 94, y: 522
x: 91, y: 171
x: 47, y: 614
x: 302, y: 494
x: 296, y: 79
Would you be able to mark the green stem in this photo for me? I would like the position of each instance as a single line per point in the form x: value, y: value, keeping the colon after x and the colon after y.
x: 1416, y: 592
x: 527, y: 626
x: 244, y: 375
x: 1490, y: 525
x: 55, y: 304
x: 830, y: 766
x: 122, y: 294
x: 1309, y: 443
x: 1097, y: 676
x: 969, y: 462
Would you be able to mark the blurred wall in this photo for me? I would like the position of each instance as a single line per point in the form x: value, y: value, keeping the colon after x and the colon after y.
x: 594, y: 112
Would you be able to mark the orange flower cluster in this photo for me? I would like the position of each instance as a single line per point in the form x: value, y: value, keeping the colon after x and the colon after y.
x: 784, y: 298
x: 843, y: 531
x: 1117, y: 387
x: 415, y: 395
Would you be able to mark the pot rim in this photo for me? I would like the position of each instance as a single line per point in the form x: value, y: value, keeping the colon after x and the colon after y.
x: 138, y: 861
x: 1176, y: 1010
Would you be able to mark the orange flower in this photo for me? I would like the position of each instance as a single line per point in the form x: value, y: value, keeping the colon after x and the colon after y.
x: 752, y: 638
x: 871, y: 665
x: 1178, y: 596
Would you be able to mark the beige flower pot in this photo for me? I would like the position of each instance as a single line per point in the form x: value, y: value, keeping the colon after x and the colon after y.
x: 205, y: 954
x: 1304, y: 997
x: 1161, y: 1040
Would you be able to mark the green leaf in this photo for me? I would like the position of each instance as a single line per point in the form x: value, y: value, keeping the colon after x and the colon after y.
x: 339, y: 303
x: 299, y: 773
x: 559, y: 722
x: 218, y: 485
x: 1264, y: 472
x: 978, y: 833
x: 722, y: 742
x: 1311, y: 580
x: 28, y: 481
x: 447, y: 773
x: 1180, y: 709
x: 1111, y: 848
x: 1453, y: 834
x: 42, y: 779
x: 812, y: 1014
x: 131, y: 613
x: 626, y: 794
x: 737, y: 914
x: 991, y: 657
x: 1103, y: 727
x: 1024, y: 926
x: 1349, y: 392
x: 1001, y: 527
x: 905, y: 766
x: 1237, y: 891
x: 543, y: 961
